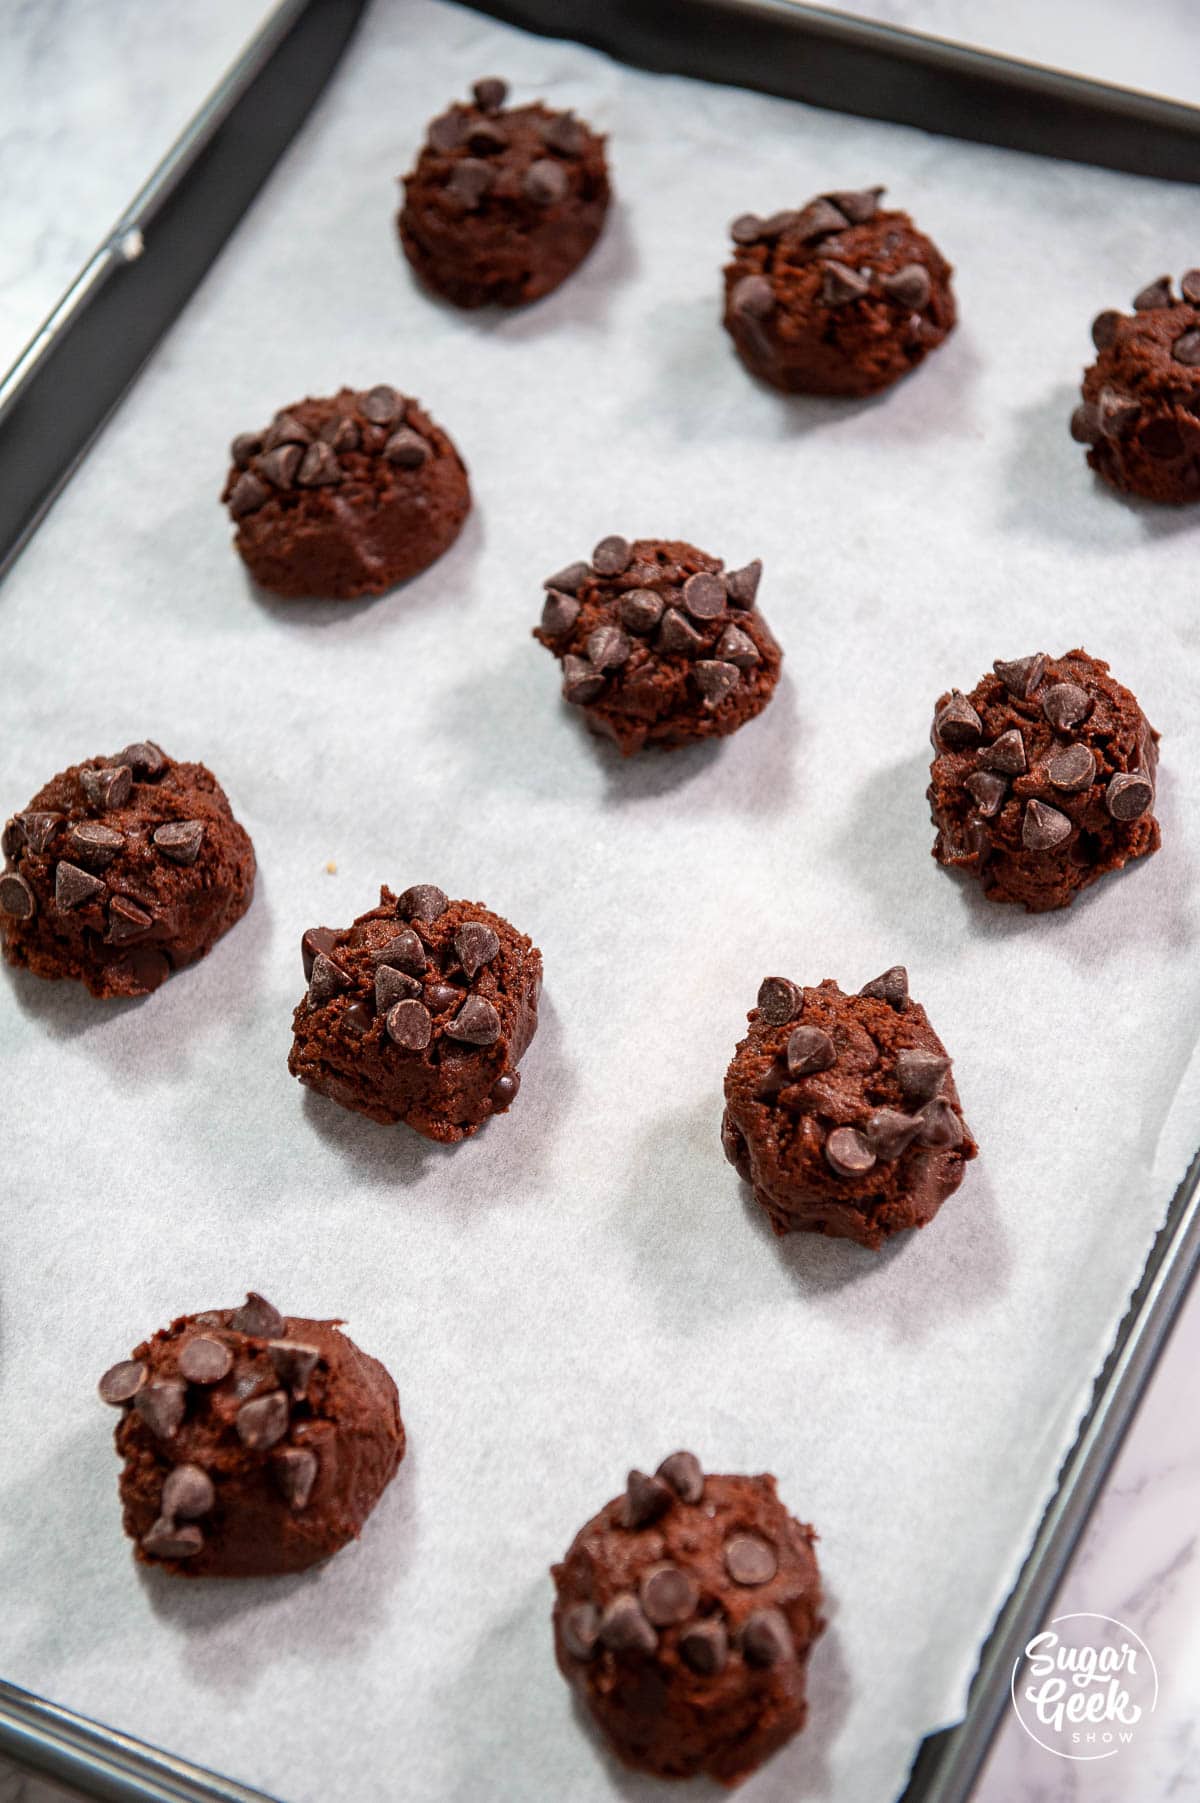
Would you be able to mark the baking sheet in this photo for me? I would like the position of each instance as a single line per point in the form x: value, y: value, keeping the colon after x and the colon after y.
x: 585, y: 1286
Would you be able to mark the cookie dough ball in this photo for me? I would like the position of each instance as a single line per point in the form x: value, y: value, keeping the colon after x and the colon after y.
x: 122, y: 870
x: 684, y: 1615
x: 345, y: 496
x: 1140, y: 413
x: 659, y: 644
x: 419, y: 1012
x: 504, y: 202
x: 841, y: 297
x: 1043, y: 779
x: 841, y: 1111
x: 252, y: 1443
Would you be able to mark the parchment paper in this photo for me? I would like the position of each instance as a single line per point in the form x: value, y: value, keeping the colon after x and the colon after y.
x: 585, y: 1286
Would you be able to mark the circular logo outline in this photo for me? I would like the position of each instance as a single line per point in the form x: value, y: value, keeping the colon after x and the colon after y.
x: 1079, y: 1615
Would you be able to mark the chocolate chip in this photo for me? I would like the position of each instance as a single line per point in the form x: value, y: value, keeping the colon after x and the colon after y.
x: 1022, y: 676
x: 559, y: 613
x: 285, y: 429
x: 1154, y: 294
x: 73, y: 887
x: 958, y: 725
x: 668, y: 1595
x: 328, y: 979
x: 1006, y: 754
x: 581, y: 682
x: 469, y: 181
x: 410, y: 1026
x: 188, y: 1492
x: 808, y: 1050
x: 939, y: 1125
x: 612, y: 556
x: 741, y: 586
x: 404, y: 951
x: 320, y: 467
x: 840, y: 284
x: 1189, y: 286
x: 545, y: 183
x: 263, y: 1421
x: 749, y: 1560
x: 294, y: 1364
x: 160, y: 1405
x: 247, y: 495
x: 392, y: 986
x: 476, y: 944
x: 440, y: 996
x: 1072, y: 769
x: 316, y: 940
x: 716, y: 680
x: 406, y: 449
x: 1186, y: 349
x: 17, y: 899
x: 38, y: 828
x: 624, y: 1627
x: 682, y: 1470
x: 608, y: 648
x: 1128, y: 795
x: 818, y: 219
x: 889, y: 1133
x: 641, y: 609
x: 165, y: 1541
x: 737, y: 647
x: 476, y: 1023
x: 910, y: 286
x: 778, y: 1000
x: 766, y: 1638
x: 356, y: 1017
x: 1118, y: 413
x: 121, y: 1382
x: 990, y: 792
x: 280, y: 466
x: 12, y: 838
x: 858, y: 204
x: 571, y: 579
x: 646, y: 1498
x: 1065, y: 705
x: 754, y: 296
x: 677, y: 636
x: 382, y: 405
x: 490, y: 93
x: 1085, y: 424
x: 205, y: 1361
x: 108, y: 787
x: 1043, y: 827
x: 847, y: 1152
x: 704, y: 595
x: 891, y: 987
x: 564, y: 134
x: 126, y: 921
x: 1104, y: 328
x: 920, y: 1074
x: 581, y: 1630
x: 245, y: 446
x: 705, y: 1647
x: 258, y: 1318
x: 424, y: 901
x: 746, y: 228
x: 504, y: 1090
x: 486, y: 139
x: 295, y: 1471
x: 446, y: 133
x: 95, y: 845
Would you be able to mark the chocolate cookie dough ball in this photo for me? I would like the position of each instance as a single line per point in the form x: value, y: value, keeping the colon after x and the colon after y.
x: 684, y: 1615
x: 1043, y: 779
x: 1140, y: 413
x: 503, y: 203
x: 841, y: 1112
x: 419, y: 1012
x: 122, y: 870
x: 252, y: 1443
x: 841, y: 297
x: 345, y: 496
x: 659, y: 644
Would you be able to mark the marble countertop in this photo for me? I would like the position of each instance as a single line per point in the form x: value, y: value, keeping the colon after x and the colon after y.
x: 91, y: 96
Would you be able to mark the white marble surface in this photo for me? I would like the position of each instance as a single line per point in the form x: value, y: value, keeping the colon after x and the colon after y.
x: 91, y: 94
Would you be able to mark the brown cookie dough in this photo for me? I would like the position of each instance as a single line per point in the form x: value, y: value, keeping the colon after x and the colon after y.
x: 684, y: 1615
x: 841, y: 1111
x: 252, y: 1444
x: 503, y: 203
x: 839, y: 297
x: 1140, y: 413
x: 659, y: 644
x: 419, y: 1012
x: 345, y: 496
x: 1043, y: 779
x: 122, y: 870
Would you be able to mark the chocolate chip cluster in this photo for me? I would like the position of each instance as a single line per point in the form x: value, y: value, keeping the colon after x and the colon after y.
x: 292, y: 457
x: 498, y: 158
x: 754, y: 295
x: 241, y: 1376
